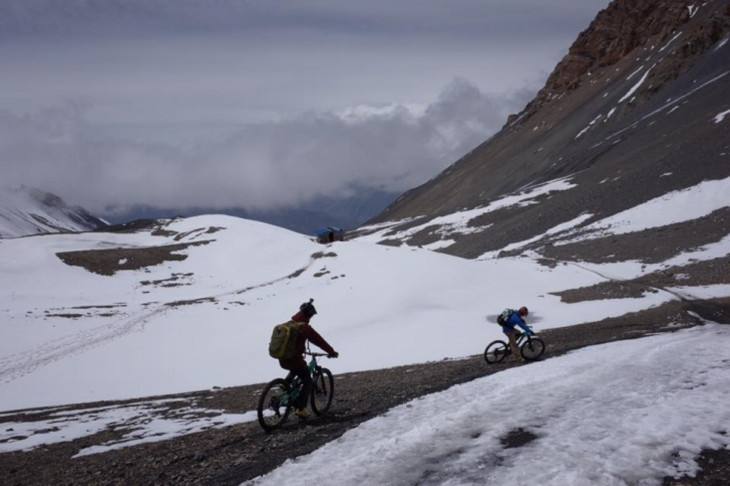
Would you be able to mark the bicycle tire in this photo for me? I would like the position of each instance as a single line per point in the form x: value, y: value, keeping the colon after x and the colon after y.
x: 274, y: 405
x: 495, y: 352
x: 532, y: 349
x: 323, y: 391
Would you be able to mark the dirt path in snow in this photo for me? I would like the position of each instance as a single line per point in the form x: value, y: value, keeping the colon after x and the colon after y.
x: 231, y: 455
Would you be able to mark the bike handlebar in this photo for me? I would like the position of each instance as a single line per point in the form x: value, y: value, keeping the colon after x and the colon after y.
x: 526, y: 334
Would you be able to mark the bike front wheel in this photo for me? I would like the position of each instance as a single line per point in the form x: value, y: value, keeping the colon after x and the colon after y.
x: 495, y: 352
x: 274, y: 404
x: 323, y: 391
x: 532, y: 349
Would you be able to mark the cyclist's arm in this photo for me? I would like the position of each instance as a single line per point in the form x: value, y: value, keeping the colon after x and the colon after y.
x: 317, y: 340
x: 516, y: 320
x: 525, y: 327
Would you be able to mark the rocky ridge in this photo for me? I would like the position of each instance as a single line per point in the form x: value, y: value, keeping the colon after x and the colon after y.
x: 621, y: 28
x: 632, y: 113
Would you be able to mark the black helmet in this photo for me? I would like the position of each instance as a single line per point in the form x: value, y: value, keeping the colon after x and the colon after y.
x: 308, y: 309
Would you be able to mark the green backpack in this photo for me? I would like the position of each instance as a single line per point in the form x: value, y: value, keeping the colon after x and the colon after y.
x: 502, y: 318
x: 283, y: 339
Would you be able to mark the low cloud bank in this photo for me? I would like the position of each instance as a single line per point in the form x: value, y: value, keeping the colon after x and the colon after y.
x: 258, y: 166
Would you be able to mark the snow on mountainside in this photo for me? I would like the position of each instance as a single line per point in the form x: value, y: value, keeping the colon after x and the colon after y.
x: 27, y: 211
x: 75, y: 304
x: 637, y: 111
x: 188, y: 304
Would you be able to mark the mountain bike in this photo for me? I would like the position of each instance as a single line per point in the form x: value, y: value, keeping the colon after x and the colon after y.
x: 531, y: 348
x: 279, y: 395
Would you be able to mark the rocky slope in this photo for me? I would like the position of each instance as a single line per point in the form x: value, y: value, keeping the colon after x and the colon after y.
x: 637, y: 109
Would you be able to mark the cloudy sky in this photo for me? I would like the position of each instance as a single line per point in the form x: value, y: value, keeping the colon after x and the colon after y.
x: 258, y: 104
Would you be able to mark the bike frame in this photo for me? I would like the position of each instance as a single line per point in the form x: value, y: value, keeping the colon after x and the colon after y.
x: 279, y: 396
x: 496, y: 351
x: 312, y: 363
x: 293, y: 379
x: 521, y: 338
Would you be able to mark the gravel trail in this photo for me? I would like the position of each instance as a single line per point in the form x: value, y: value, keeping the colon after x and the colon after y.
x: 231, y: 455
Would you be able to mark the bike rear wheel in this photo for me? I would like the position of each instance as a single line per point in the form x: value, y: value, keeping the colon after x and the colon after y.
x: 495, y: 352
x: 274, y: 404
x: 323, y: 391
x: 532, y: 349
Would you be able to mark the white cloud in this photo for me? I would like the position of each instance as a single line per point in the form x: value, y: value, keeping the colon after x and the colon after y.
x: 258, y: 165
x: 174, y: 103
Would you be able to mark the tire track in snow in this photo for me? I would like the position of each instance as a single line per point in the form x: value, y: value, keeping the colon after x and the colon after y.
x: 686, y: 297
x: 19, y: 364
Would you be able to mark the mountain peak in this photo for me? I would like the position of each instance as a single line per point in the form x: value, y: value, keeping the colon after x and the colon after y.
x: 27, y: 211
x: 637, y: 110
x: 624, y: 26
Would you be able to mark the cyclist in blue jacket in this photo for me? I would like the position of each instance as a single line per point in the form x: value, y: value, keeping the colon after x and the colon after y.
x: 516, y: 318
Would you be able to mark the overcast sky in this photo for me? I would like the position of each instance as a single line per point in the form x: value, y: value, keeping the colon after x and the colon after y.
x: 182, y: 103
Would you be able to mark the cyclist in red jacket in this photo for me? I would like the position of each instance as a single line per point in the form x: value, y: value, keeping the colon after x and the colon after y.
x: 297, y: 365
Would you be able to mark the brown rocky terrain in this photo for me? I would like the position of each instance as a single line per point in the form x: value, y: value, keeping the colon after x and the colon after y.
x: 622, y: 27
x: 628, y: 116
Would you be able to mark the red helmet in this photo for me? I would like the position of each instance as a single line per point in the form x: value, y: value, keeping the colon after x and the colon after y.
x: 523, y: 311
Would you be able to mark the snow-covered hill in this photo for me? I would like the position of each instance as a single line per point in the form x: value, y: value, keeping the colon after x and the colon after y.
x: 28, y: 211
x: 97, y: 316
x: 189, y: 304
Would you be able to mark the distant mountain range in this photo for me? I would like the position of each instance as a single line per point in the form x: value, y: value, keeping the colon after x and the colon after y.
x: 346, y: 213
x: 27, y: 211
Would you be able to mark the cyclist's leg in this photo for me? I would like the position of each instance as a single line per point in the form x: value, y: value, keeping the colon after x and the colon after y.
x: 512, y: 335
x: 306, y: 378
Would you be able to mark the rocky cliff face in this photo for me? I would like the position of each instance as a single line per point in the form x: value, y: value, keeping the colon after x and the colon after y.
x: 615, y: 32
x: 637, y: 109
x: 624, y: 26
